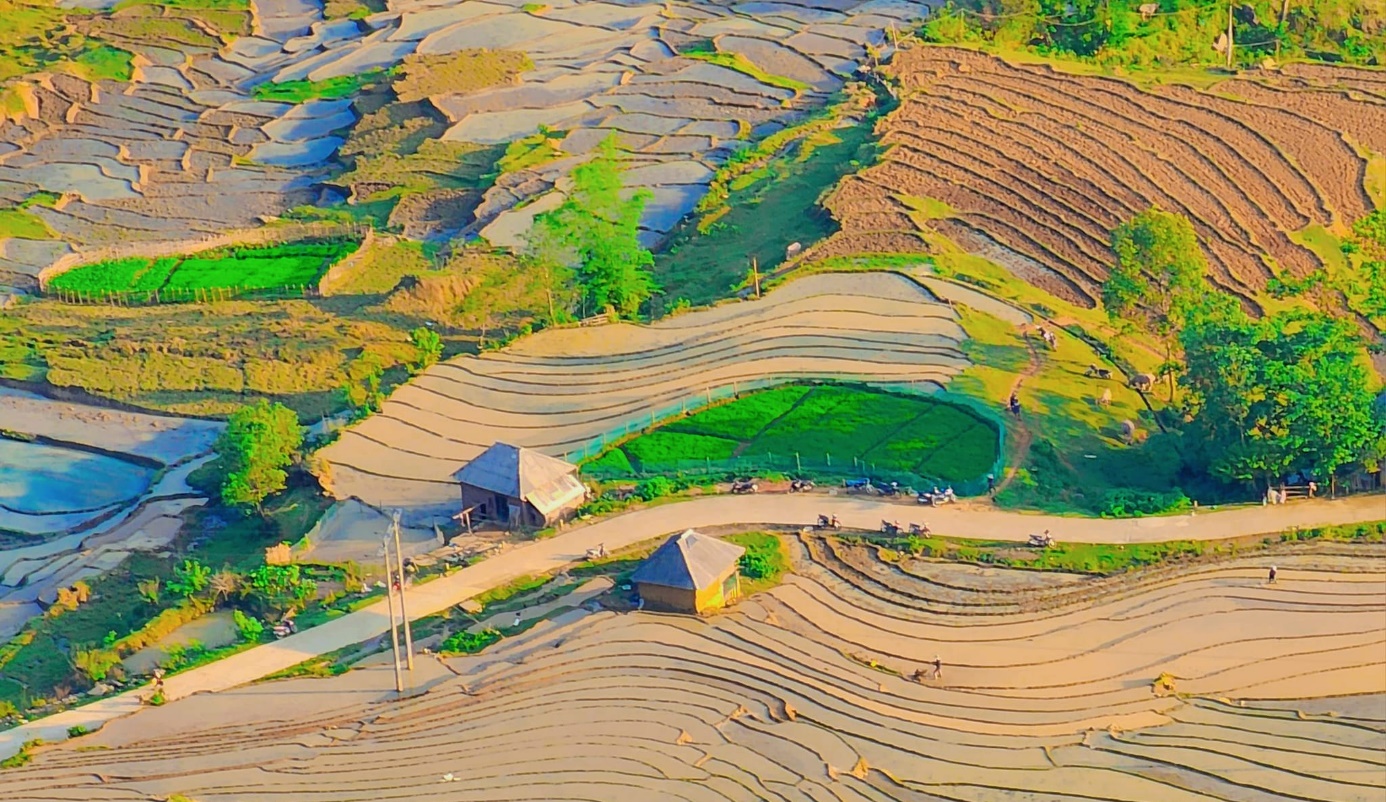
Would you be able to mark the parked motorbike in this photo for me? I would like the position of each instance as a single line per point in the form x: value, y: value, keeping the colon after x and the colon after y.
x: 890, y: 527
x: 800, y: 486
x: 744, y: 486
x: 825, y: 522
x: 1043, y: 541
x: 919, y: 529
x: 858, y: 485
x: 892, y: 489
x: 597, y: 553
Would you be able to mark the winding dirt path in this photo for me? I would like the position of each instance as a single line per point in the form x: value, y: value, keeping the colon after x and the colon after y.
x: 1023, y: 436
x: 633, y: 527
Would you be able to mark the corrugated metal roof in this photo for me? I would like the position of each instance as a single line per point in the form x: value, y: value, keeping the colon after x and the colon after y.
x: 689, y: 561
x: 516, y: 472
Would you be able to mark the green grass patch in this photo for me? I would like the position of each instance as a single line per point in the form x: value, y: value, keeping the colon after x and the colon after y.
x: 738, y: 62
x: 104, y: 63
x: 326, y: 89
x: 21, y: 224
x: 241, y: 269
x: 465, y: 642
x: 531, y: 151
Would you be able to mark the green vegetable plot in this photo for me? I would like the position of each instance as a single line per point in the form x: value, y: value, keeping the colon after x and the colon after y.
x: 239, y: 269
x: 825, y: 430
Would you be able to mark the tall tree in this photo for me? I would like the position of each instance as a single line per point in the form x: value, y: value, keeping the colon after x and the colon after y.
x: 260, y: 441
x: 1287, y: 393
x: 595, y: 231
x: 1158, y: 277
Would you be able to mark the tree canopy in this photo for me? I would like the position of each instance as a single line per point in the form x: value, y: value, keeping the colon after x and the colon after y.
x: 1159, y: 271
x: 1179, y: 32
x: 260, y: 441
x: 594, y: 233
x: 1287, y: 393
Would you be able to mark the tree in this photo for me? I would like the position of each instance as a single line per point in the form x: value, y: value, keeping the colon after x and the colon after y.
x: 1288, y: 393
x: 279, y: 588
x: 260, y: 441
x: 1158, y: 276
x: 428, y: 348
x: 595, y: 231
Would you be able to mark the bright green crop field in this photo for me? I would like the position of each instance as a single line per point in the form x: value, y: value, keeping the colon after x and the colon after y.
x: 239, y: 269
x: 816, y: 430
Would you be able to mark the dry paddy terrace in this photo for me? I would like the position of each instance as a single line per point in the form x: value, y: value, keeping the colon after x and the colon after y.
x: 807, y: 692
x: 561, y: 389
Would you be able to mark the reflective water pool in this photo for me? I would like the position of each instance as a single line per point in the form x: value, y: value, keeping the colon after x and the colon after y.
x: 40, y: 479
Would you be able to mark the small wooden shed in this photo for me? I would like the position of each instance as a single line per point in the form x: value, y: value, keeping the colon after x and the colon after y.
x: 519, y: 486
x: 690, y: 573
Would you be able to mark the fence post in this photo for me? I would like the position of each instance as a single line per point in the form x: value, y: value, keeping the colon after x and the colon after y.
x: 829, y: 457
x: 798, y: 466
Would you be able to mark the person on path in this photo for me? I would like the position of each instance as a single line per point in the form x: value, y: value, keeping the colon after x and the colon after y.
x: 517, y: 618
x: 938, y: 668
x: 991, y: 483
x: 1272, y: 575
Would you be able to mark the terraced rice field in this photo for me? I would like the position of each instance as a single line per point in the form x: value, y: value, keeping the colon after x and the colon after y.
x: 1038, y: 165
x: 806, y: 693
x: 562, y: 391
x: 820, y: 426
x: 197, y: 142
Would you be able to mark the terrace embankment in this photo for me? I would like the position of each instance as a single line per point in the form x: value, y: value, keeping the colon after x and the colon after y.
x: 810, y: 691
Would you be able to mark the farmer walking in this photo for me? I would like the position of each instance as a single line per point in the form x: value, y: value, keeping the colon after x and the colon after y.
x: 1272, y: 575
x: 938, y: 668
x: 991, y: 483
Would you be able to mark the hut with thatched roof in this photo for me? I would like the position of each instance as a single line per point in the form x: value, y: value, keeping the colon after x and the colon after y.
x: 519, y: 487
x: 690, y: 573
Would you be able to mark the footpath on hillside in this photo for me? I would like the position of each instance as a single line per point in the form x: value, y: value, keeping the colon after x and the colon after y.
x: 615, y: 533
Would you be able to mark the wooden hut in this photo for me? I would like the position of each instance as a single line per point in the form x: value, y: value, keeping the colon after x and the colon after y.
x: 690, y: 573
x: 519, y: 487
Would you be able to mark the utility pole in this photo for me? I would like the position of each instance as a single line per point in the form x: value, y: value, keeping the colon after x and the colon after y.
x: 403, y: 613
x: 390, y: 596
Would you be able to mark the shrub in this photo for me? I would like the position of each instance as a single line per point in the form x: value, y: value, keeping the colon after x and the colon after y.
x: 77, y: 731
x: 657, y: 487
x: 96, y: 664
x: 278, y: 588
x: 1127, y: 503
x: 764, y: 561
x: 470, y: 642
x: 189, y: 579
x: 248, y: 627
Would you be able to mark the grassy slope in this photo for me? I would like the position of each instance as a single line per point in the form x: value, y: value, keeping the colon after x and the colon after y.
x: 769, y: 209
